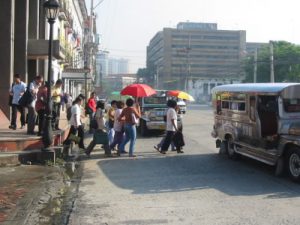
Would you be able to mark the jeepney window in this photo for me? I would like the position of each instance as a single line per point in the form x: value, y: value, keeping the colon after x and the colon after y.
x: 291, y: 105
x: 225, y: 104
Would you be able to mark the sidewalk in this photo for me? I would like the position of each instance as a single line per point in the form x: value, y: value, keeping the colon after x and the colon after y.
x: 14, y: 144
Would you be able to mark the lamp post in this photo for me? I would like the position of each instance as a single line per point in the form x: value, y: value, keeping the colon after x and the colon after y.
x: 51, y: 10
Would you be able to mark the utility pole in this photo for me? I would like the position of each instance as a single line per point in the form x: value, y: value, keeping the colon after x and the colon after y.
x: 272, y: 77
x: 188, y: 49
x: 255, y: 67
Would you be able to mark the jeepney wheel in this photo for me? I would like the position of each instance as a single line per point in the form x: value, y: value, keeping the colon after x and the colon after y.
x: 231, y: 149
x: 293, y: 164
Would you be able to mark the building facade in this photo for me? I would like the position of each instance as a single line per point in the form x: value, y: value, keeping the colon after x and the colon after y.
x: 117, y: 66
x: 24, y: 34
x: 195, y: 57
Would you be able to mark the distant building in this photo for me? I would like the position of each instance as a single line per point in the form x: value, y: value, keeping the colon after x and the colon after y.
x: 196, y: 57
x: 119, y: 81
x: 117, y: 66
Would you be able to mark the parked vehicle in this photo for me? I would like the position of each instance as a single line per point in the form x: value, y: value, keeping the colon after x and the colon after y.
x: 153, y: 111
x: 260, y: 121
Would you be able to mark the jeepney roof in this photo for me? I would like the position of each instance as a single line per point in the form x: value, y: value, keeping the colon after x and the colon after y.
x: 256, y: 87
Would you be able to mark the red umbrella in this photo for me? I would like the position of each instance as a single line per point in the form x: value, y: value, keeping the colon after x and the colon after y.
x: 138, y: 90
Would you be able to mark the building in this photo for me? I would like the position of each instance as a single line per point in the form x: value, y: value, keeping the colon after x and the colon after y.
x: 196, y: 57
x: 24, y: 34
x: 117, y: 66
x: 119, y: 81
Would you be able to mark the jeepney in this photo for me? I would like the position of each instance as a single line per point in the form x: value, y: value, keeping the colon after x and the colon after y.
x: 260, y: 121
x: 153, y: 110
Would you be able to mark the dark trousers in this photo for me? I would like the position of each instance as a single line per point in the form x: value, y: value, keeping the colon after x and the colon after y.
x: 167, y: 141
x: 118, y: 138
x: 56, y: 115
x: 31, y: 119
x: 80, y: 133
x: 15, y: 108
x: 41, y: 115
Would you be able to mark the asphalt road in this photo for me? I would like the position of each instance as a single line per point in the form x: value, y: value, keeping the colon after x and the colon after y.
x: 197, y: 187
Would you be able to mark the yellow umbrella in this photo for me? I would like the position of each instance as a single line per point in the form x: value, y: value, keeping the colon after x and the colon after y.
x: 182, y: 95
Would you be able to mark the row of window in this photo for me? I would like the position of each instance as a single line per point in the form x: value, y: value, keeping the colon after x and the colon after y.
x: 206, y: 46
x: 233, y: 66
x: 232, y: 56
x: 205, y: 37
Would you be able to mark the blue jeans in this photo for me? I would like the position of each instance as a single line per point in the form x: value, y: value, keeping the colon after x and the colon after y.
x: 130, y: 133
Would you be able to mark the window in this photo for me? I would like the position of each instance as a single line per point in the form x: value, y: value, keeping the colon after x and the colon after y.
x: 291, y: 105
x: 233, y: 101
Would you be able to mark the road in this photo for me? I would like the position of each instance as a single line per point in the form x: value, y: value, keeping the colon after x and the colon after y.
x: 197, y: 187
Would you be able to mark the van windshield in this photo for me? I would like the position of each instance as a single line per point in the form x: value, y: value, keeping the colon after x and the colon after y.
x: 155, y: 100
x: 291, y: 105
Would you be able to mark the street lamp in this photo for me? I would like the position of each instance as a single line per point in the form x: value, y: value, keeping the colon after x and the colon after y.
x: 51, y: 10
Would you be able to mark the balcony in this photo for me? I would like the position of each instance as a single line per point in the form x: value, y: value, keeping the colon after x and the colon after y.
x: 38, y: 49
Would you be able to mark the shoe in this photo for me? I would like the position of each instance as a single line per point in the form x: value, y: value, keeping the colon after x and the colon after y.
x: 156, y: 147
x: 132, y: 156
x: 123, y: 152
x: 162, y: 152
x: 12, y: 127
x: 22, y: 127
x: 180, y: 151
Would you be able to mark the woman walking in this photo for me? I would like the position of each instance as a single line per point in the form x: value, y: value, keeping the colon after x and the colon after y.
x: 118, y: 127
x: 130, y: 114
x: 100, y: 133
x: 76, y: 124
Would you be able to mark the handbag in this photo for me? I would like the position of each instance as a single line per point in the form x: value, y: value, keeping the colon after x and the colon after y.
x: 26, y: 99
x: 134, y: 119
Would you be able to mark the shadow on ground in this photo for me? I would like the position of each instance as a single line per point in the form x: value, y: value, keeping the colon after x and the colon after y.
x: 154, y: 173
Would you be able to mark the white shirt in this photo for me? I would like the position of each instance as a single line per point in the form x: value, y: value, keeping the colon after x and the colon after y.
x: 100, y: 119
x: 34, y: 87
x: 17, y: 89
x: 171, y: 115
x: 117, y: 125
x: 75, y: 118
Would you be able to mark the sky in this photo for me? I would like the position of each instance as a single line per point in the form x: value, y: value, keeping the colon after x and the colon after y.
x: 127, y: 26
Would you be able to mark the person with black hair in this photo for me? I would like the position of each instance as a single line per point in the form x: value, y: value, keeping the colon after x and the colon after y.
x: 56, y: 99
x: 171, y: 127
x: 91, y: 106
x: 130, y: 114
x: 118, y: 127
x: 100, y: 135
x: 111, y: 118
x: 76, y: 124
x: 17, y: 90
x: 33, y: 88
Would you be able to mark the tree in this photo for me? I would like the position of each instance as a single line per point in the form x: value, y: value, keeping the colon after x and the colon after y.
x: 286, y: 63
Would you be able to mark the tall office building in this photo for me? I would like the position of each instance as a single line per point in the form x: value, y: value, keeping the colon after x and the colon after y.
x: 196, y: 57
x: 117, y: 66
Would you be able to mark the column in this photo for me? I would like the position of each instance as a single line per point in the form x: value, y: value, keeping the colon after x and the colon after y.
x: 21, y: 38
x: 7, y: 51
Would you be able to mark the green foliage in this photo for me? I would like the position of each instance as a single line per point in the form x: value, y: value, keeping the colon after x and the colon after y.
x: 286, y: 63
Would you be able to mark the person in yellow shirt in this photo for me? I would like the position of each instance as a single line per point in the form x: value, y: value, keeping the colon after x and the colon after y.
x: 56, y: 100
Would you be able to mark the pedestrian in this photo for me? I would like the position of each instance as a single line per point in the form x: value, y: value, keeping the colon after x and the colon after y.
x: 158, y: 146
x: 76, y: 124
x: 171, y: 126
x: 17, y: 90
x: 56, y: 99
x: 131, y: 115
x: 118, y: 128
x: 33, y: 88
x: 40, y: 107
x: 100, y: 133
x: 91, y: 109
x: 111, y: 118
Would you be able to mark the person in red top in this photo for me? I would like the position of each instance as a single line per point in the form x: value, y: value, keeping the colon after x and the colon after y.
x: 130, y: 115
x: 91, y: 104
x: 40, y: 107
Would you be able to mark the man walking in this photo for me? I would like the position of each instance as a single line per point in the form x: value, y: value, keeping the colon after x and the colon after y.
x: 33, y: 88
x: 56, y: 98
x: 16, y: 91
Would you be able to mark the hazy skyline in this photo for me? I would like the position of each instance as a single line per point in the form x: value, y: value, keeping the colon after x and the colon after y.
x: 127, y: 26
